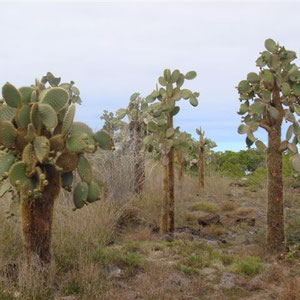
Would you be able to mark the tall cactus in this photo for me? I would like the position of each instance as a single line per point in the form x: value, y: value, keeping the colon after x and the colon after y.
x: 182, y: 143
x: 161, y: 131
x: 42, y: 148
x: 136, y: 112
x: 204, y: 143
x: 268, y: 97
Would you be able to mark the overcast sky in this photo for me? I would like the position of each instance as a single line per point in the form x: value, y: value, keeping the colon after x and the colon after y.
x: 114, y: 49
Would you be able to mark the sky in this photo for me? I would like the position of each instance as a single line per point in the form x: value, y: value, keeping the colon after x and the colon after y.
x: 113, y: 49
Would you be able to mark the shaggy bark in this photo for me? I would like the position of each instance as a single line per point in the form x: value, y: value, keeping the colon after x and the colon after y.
x: 37, y: 216
x: 201, y: 168
x: 275, y: 216
x: 164, y: 206
x: 171, y: 226
x: 180, y: 162
x: 137, y: 134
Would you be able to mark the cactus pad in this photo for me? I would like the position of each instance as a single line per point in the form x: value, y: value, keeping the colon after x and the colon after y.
x: 68, y: 120
x: 7, y: 113
x: 104, y: 140
x: 41, y: 148
x: 23, y: 116
x: 84, y: 169
x: 8, y: 134
x: 57, y: 142
x: 94, y: 192
x: 67, y: 161
x: 26, y: 92
x: 17, y: 176
x: 80, y: 194
x: 35, y: 117
x: 6, y: 161
x: 11, y: 95
x: 55, y: 97
x: 47, y: 115
x: 67, y: 181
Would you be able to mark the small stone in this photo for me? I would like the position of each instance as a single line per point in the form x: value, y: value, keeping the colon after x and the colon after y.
x: 114, y: 272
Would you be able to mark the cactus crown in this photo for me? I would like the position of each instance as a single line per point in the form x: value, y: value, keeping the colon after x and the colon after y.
x: 160, y: 131
x: 275, y: 91
x: 37, y: 133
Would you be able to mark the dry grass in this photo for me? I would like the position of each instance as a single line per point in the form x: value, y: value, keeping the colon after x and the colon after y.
x: 117, y: 231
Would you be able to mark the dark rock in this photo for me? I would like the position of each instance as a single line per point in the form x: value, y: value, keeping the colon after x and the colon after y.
x: 206, y: 219
x: 247, y: 220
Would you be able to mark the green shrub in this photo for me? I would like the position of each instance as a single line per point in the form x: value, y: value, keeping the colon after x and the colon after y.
x: 257, y: 179
x: 204, y: 206
x: 248, y: 266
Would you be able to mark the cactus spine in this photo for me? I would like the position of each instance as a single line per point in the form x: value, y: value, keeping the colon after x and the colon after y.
x: 276, y: 94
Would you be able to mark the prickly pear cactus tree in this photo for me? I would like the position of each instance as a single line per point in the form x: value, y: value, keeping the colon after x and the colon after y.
x: 182, y: 144
x: 111, y: 122
x: 42, y: 147
x: 136, y: 112
x: 161, y: 131
x: 267, y: 98
x: 202, y: 143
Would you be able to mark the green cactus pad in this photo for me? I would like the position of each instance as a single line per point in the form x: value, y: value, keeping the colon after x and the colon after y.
x: 47, y: 115
x: 76, y: 143
x: 79, y: 127
x: 193, y: 100
x: 57, y: 142
x: 104, y: 140
x: 26, y: 92
x: 94, y: 192
x: 80, y: 194
x: 190, y: 75
x: 84, y: 169
x: 11, y: 95
x: 30, y: 133
x: 270, y: 45
x: 29, y: 158
x: 8, y: 134
x: 175, y: 76
x: 67, y: 181
x: 68, y: 120
x: 35, y: 117
x: 67, y: 161
x: 55, y: 97
x: 23, y: 116
x: 295, y: 161
x: 7, y: 113
x: 6, y: 161
x: 17, y: 176
x: 41, y: 148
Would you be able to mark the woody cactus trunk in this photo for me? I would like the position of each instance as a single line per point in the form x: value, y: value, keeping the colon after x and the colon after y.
x: 275, y: 92
x: 161, y: 132
x: 202, y: 143
x: 42, y: 147
x: 136, y: 113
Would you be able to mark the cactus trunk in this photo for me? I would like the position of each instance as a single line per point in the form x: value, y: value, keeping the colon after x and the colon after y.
x: 37, y: 216
x: 164, y: 207
x: 275, y: 217
x: 136, y: 135
x: 180, y: 162
x: 201, y: 168
x: 171, y: 226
